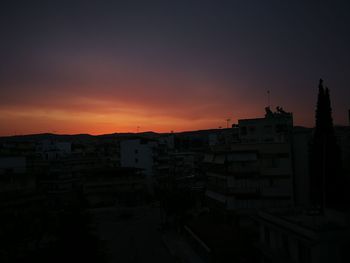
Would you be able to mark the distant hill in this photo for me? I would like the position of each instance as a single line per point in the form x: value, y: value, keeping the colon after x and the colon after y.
x: 74, y: 137
x: 78, y: 137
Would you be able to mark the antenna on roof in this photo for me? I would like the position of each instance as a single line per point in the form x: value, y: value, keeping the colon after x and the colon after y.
x: 268, y: 99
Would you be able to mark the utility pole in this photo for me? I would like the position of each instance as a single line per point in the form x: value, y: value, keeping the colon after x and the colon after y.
x: 227, y: 122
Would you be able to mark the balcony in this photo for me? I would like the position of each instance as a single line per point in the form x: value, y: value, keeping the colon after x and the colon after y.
x: 243, y: 190
x: 275, y: 191
x: 248, y: 169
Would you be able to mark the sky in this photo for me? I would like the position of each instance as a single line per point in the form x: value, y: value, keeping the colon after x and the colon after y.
x: 124, y: 66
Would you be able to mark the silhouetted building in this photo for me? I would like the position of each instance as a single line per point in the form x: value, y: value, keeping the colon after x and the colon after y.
x: 274, y: 127
x: 21, y: 209
x: 250, y: 176
x: 223, y: 137
x: 53, y: 150
x: 113, y: 186
x: 293, y: 235
x: 255, y: 173
x: 60, y: 184
x: 301, y: 141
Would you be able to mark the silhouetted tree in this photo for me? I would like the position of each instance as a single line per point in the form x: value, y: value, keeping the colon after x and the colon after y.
x: 325, y: 162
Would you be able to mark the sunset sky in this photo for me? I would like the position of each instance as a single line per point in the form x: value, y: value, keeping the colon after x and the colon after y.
x: 110, y: 66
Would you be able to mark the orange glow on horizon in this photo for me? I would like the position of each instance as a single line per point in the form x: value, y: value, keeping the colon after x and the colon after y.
x: 33, y: 121
x: 95, y: 117
x: 108, y: 111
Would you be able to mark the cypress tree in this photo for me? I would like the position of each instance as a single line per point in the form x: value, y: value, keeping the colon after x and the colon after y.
x: 320, y: 107
x: 316, y: 180
x: 325, y: 161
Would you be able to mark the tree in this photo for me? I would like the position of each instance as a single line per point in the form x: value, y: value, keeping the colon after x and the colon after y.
x: 325, y: 162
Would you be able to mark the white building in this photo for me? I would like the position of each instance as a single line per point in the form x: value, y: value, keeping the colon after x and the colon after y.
x: 13, y: 165
x: 139, y: 153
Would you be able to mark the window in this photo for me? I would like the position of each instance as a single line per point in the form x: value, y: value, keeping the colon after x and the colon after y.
x: 252, y: 129
x: 281, y: 128
x: 282, y: 155
x: 8, y: 170
x: 271, y: 162
x: 267, y: 235
x: 304, y: 253
x: 243, y: 164
x: 285, y: 244
x: 268, y: 128
x: 244, y: 130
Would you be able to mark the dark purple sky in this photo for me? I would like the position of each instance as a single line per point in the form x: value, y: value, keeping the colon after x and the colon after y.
x: 110, y: 66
